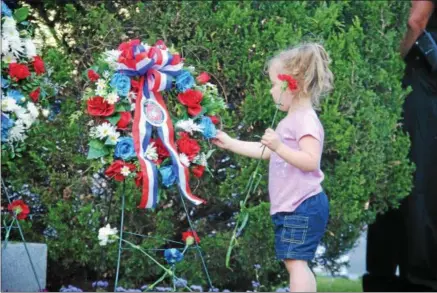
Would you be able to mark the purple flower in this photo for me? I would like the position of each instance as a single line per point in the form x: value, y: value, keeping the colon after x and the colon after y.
x: 120, y: 289
x: 257, y: 266
x: 100, y: 284
x: 255, y: 284
x: 180, y: 283
x: 70, y: 288
x: 213, y: 289
x: 196, y: 288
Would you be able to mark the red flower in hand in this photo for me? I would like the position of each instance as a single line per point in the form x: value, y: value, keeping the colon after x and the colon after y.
x: 292, y: 83
x: 125, y: 119
x: 118, y: 170
x: 191, y: 99
x: 160, y: 149
x: 18, y: 71
x: 19, y: 208
x: 34, y: 95
x: 188, y: 146
x: 92, y: 75
x: 198, y: 171
x: 97, y: 106
x: 203, y: 78
x: 38, y: 65
x: 214, y: 119
x: 189, y: 237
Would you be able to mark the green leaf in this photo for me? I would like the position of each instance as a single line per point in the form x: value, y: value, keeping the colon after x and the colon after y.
x: 110, y: 142
x: 122, y: 107
x: 97, y: 149
x: 21, y: 14
x: 114, y: 119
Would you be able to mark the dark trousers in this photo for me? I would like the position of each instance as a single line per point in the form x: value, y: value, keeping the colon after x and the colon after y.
x: 407, y: 237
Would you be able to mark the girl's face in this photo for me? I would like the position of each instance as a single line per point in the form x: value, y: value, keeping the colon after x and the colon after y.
x: 285, y: 101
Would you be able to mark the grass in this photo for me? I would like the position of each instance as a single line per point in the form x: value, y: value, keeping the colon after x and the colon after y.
x: 327, y: 284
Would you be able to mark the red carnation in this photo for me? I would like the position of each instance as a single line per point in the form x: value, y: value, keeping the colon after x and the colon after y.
x: 135, y: 85
x: 19, y: 208
x: 160, y: 149
x: 191, y: 99
x: 92, y: 75
x: 189, y: 237
x: 18, y: 71
x: 125, y: 119
x: 188, y: 146
x: 34, y: 95
x: 292, y: 83
x: 176, y: 59
x: 198, y: 171
x: 203, y: 78
x: 114, y: 171
x: 38, y: 65
x: 214, y: 119
x: 97, y: 106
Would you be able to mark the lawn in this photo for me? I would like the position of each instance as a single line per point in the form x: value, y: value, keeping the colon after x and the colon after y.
x: 327, y: 284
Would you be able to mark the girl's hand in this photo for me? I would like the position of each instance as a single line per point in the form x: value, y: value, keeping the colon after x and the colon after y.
x: 223, y: 140
x: 271, y: 139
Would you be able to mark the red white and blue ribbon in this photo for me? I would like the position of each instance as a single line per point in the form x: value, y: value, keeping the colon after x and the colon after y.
x: 156, y: 67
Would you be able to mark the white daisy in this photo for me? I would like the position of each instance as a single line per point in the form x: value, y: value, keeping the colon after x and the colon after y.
x: 125, y: 171
x: 30, y: 48
x: 111, y: 58
x: 184, y: 159
x: 101, y: 83
x: 105, y: 129
x: 113, y: 137
x: 33, y: 110
x: 112, y: 98
x: 151, y: 152
x: 101, y: 92
x: 189, y: 126
x: 26, y: 119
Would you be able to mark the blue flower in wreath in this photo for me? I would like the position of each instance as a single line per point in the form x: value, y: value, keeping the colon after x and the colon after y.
x: 184, y: 81
x: 209, y: 130
x: 121, y: 83
x: 6, y: 10
x: 16, y: 95
x: 5, y: 83
x: 6, y: 125
x: 173, y: 255
x: 125, y: 149
x: 168, y: 176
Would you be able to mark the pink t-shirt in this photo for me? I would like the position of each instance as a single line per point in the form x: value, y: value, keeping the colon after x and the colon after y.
x: 288, y: 185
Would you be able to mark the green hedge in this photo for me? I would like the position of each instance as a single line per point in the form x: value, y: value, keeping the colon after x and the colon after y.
x: 365, y: 154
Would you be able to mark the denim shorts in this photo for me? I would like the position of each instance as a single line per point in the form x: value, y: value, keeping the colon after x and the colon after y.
x: 298, y: 233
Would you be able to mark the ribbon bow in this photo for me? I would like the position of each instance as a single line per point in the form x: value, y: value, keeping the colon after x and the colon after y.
x: 156, y: 67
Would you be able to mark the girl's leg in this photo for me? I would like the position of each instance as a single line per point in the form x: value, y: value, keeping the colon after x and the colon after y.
x: 301, y: 277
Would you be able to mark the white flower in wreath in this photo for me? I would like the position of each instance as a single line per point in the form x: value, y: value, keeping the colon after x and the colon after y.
x: 16, y: 46
x: 9, y: 104
x: 9, y: 58
x: 45, y: 112
x: 111, y: 57
x: 104, y: 130
x: 107, y: 235
x: 101, y: 83
x: 106, y: 74
x: 125, y: 171
x: 151, y: 152
x: 16, y: 133
x: 112, y: 98
x: 191, y: 69
x: 25, y: 118
x: 33, y: 110
x: 113, y: 137
x: 189, y: 126
x: 184, y: 160
x: 30, y: 48
x: 5, y: 45
x: 9, y: 24
x: 200, y: 159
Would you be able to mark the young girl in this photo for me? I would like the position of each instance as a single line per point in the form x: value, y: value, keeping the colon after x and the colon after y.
x: 299, y: 207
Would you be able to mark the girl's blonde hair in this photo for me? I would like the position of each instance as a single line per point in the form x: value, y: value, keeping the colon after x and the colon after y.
x: 309, y: 65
